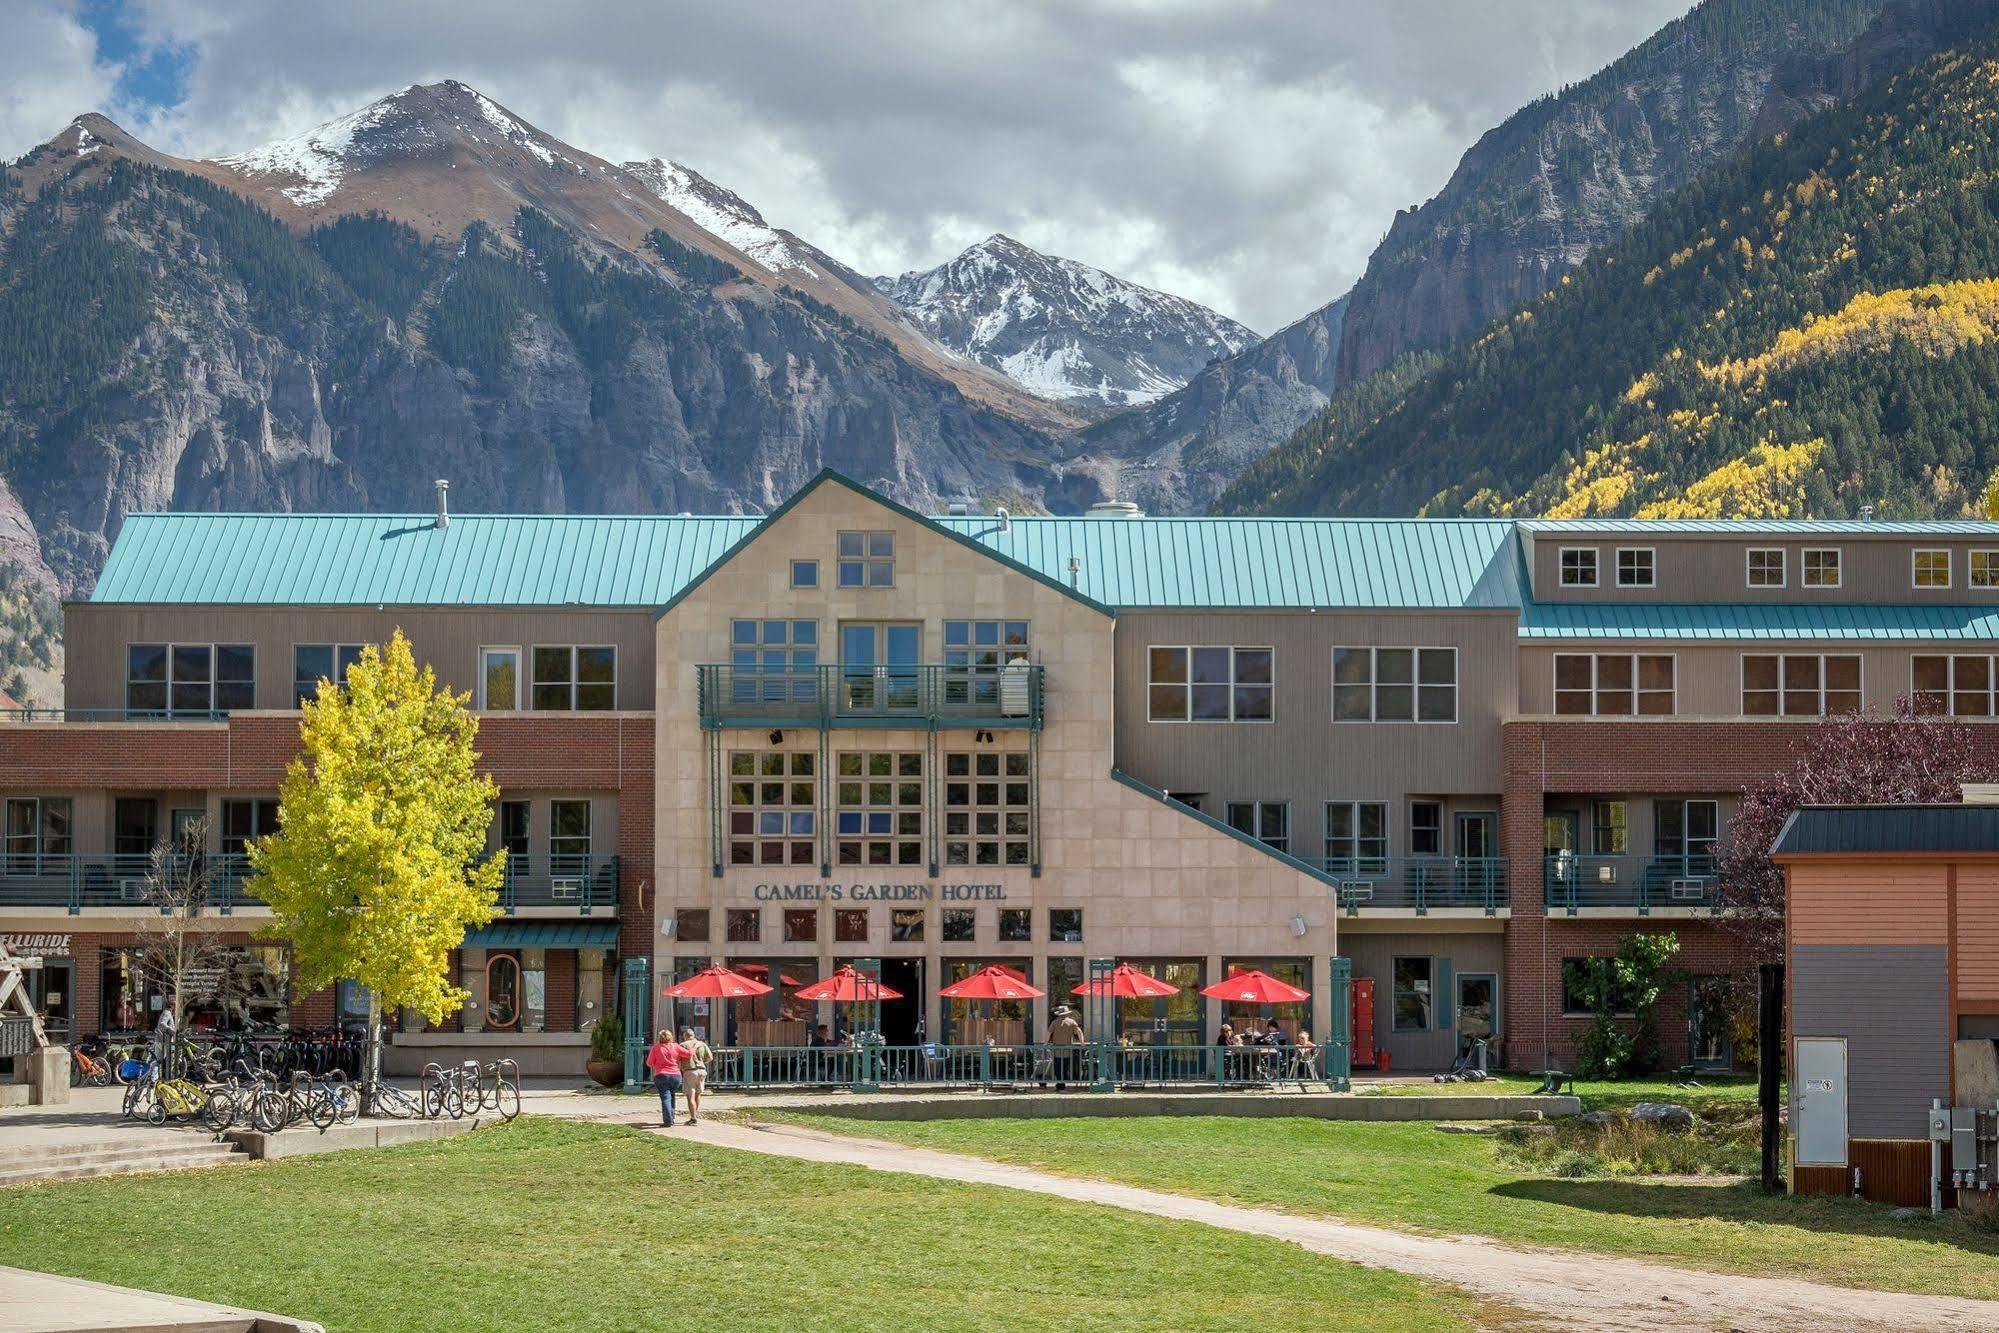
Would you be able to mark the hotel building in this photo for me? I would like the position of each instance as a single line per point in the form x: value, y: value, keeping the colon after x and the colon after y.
x: 1454, y: 753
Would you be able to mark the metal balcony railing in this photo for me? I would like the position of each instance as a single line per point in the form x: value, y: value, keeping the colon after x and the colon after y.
x: 921, y: 695
x: 107, y: 715
x: 72, y: 882
x: 586, y: 884
x: 1418, y: 883
x: 1576, y: 880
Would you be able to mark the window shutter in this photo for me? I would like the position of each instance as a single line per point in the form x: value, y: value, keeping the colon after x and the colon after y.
x: 1447, y: 997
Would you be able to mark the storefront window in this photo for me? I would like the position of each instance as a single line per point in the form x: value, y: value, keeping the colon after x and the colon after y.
x: 246, y: 986
x: 1250, y: 1017
x: 503, y: 991
x: 850, y: 925
x: 1016, y: 925
x: 976, y: 1022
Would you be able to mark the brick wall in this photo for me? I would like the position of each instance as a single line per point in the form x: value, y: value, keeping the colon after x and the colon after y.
x: 560, y: 1014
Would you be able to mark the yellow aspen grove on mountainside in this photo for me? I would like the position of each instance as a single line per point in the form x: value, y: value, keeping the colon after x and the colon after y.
x: 379, y: 864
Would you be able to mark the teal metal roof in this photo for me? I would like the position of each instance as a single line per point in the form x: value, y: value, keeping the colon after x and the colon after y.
x: 543, y: 934
x: 1663, y: 620
x: 1752, y: 527
x: 1391, y: 564
x: 402, y: 560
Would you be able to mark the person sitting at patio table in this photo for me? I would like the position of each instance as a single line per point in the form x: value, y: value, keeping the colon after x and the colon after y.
x: 664, y: 1060
x: 1065, y: 1034
x: 1229, y: 1036
x: 1273, y: 1035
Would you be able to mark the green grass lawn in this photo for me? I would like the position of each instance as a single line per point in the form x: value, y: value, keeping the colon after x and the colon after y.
x: 1724, y: 1094
x: 1412, y: 1177
x: 551, y: 1226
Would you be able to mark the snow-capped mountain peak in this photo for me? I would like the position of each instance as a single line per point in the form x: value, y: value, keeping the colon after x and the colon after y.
x: 1062, y: 328
x: 722, y: 212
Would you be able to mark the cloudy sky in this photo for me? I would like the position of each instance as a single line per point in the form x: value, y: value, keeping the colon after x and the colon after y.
x: 1245, y: 154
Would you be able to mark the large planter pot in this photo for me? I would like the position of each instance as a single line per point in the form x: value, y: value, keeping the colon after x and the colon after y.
x: 608, y: 1073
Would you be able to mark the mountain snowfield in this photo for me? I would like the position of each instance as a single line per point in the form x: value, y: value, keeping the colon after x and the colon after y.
x: 722, y: 213
x: 1061, y: 328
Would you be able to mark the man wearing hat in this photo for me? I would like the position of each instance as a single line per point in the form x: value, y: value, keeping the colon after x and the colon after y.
x: 1065, y: 1034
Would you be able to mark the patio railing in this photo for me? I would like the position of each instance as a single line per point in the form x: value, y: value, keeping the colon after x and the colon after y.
x: 917, y: 695
x: 72, y: 882
x: 1575, y: 881
x: 1419, y: 883
x: 934, y: 1065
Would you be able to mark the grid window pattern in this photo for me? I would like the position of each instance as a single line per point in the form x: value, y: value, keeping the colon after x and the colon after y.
x: 1210, y: 684
x: 867, y: 560
x: 1579, y: 567
x: 1269, y: 822
x: 1614, y: 684
x: 1767, y: 568
x: 1609, y: 828
x: 1426, y: 828
x: 1637, y: 567
x: 975, y: 650
x: 314, y: 662
x: 988, y: 809
x: 245, y: 821
x: 1985, y: 569
x: 1395, y: 684
x: 1821, y: 567
x: 1356, y: 830
x: 773, y: 661
x: 771, y: 808
x: 182, y: 679
x: 1800, y: 684
x: 1962, y: 684
x: 878, y: 815
x: 1930, y: 569
x: 571, y: 679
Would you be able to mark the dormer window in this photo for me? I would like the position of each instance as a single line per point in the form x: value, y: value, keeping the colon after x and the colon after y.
x: 1930, y: 569
x: 1822, y: 568
x: 1637, y: 567
x: 1579, y: 567
x: 867, y: 560
x: 1766, y: 567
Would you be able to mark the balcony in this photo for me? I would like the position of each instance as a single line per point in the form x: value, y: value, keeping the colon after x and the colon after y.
x: 1419, y: 884
x: 1641, y: 883
x: 871, y: 696
x: 72, y: 883
x: 584, y: 885
x: 106, y: 715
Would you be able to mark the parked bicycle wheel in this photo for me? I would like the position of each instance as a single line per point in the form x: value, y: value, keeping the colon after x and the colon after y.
x: 346, y: 1098
x: 218, y: 1113
x: 392, y: 1101
x: 320, y: 1107
x: 507, y: 1096
x: 269, y: 1111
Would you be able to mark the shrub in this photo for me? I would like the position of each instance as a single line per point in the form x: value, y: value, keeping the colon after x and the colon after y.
x: 607, y: 1039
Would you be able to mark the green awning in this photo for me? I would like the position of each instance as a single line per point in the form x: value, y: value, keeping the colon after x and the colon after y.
x: 544, y: 935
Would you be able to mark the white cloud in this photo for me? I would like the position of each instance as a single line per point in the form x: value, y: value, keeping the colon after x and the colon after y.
x: 48, y: 74
x: 1247, y: 155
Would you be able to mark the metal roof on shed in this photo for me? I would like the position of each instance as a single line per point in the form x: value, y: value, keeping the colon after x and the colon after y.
x: 1751, y: 527
x: 1777, y: 620
x: 1889, y: 829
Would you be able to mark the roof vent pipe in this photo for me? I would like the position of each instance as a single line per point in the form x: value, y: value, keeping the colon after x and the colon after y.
x: 1005, y: 520
x: 1115, y: 509
x: 1076, y: 572
x: 443, y: 519
x: 1867, y: 513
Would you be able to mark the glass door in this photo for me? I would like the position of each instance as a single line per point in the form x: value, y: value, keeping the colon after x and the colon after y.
x: 1478, y: 1008
x: 878, y: 666
x: 1477, y: 848
x: 503, y: 991
x: 1708, y: 1006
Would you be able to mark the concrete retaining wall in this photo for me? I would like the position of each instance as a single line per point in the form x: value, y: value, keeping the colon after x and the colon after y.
x: 307, y: 1142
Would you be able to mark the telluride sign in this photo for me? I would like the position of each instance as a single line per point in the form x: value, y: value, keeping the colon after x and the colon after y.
x: 879, y: 893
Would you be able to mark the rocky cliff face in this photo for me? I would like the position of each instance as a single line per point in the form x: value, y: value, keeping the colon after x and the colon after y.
x: 1573, y: 172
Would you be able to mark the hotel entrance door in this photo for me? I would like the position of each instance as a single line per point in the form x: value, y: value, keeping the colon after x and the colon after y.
x: 902, y: 1020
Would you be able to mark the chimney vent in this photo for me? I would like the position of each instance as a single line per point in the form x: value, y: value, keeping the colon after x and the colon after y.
x: 443, y: 519
x: 1115, y: 509
x: 1867, y: 513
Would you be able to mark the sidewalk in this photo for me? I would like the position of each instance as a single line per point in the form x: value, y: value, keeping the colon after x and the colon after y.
x: 33, y: 1302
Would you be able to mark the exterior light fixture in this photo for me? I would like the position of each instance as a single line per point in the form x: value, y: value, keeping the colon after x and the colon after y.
x: 776, y: 736
x: 1297, y: 925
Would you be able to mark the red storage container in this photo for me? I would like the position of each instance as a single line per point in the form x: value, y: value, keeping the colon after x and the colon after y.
x: 1360, y: 1030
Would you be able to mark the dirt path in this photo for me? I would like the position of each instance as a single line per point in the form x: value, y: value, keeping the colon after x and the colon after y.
x: 1571, y: 1289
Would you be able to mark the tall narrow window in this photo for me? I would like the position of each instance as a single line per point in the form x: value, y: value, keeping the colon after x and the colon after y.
x: 1637, y: 567
x: 878, y: 809
x: 988, y: 809
x: 772, y: 798
x: 1269, y: 822
x: 1426, y: 828
x: 569, y: 837
x: 513, y: 828
x: 135, y: 827
x: 500, y: 679
x: 1610, y: 828
x: 1414, y: 996
x: 867, y: 560
x: 1578, y: 566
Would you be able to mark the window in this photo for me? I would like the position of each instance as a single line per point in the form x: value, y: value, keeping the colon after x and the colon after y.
x: 243, y: 822
x: 773, y: 661
x: 575, y: 679
x: 974, y: 652
x: 1357, y: 830
x: 1395, y: 684
x: 37, y: 827
x: 1414, y: 996
x: 867, y: 560
x: 314, y: 662
x: 772, y: 797
x: 988, y: 809
x: 1689, y: 829
x: 1799, y: 685
x: 1269, y: 822
x: 959, y: 924
x: 805, y: 573
x: 1614, y: 684
x: 1578, y: 566
x: 1985, y: 569
x: 878, y: 814
x: 499, y: 679
x: 513, y: 828
x: 189, y: 679
x: 1821, y: 568
x: 1609, y: 828
x: 1767, y: 567
x: 691, y: 925
x: 1637, y: 567
x: 1210, y: 684
x: 1065, y: 926
x: 1573, y: 975
x: 744, y: 925
x: 905, y: 925
x: 801, y: 925
x: 135, y: 826
x: 1961, y: 685
x: 850, y: 925
x: 1930, y: 569
x: 1016, y: 925
x: 1426, y: 828
x: 568, y: 836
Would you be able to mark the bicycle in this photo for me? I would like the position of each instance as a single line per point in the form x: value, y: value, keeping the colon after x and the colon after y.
x: 182, y: 1099
x: 275, y: 1106
x: 387, y: 1099
x: 442, y: 1091
x: 497, y: 1085
x: 88, y: 1067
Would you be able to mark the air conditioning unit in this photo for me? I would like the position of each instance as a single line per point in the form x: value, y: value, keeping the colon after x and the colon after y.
x: 1016, y: 689
x: 1357, y: 890
x: 1688, y: 890
x: 131, y: 890
x: 1606, y: 874
x: 565, y: 890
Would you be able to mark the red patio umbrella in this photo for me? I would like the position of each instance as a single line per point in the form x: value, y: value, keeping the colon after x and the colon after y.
x: 847, y: 986
x: 759, y: 970
x: 995, y: 982
x: 1128, y: 983
x: 717, y: 983
x: 1249, y: 986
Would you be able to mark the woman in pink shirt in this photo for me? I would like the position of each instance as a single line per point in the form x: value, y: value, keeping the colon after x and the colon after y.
x: 664, y: 1061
